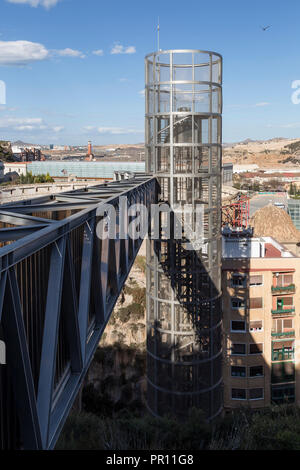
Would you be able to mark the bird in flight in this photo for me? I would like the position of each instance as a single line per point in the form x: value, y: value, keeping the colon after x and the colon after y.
x: 264, y: 28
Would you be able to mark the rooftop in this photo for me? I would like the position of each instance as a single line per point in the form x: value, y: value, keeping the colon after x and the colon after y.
x: 247, y: 247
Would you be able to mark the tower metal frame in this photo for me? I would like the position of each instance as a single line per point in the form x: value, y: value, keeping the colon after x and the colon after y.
x: 183, y: 128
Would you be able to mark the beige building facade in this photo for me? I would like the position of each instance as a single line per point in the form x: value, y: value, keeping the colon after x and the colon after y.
x: 261, y: 307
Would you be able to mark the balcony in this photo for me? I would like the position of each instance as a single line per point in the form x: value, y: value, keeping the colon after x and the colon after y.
x: 290, y: 289
x: 283, y: 334
x: 283, y: 354
x: 280, y: 311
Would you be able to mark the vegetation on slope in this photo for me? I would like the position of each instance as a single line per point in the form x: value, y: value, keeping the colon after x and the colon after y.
x: 6, y: 154
x: 30, y: 179
x: 275, y: 428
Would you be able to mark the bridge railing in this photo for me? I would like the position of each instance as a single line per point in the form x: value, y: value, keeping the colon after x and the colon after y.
x: 59, y: 282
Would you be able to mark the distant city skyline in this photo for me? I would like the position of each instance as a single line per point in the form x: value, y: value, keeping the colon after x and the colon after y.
x: 74, y: 69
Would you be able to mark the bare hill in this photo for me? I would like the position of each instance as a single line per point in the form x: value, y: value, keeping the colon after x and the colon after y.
x: 278, y: 152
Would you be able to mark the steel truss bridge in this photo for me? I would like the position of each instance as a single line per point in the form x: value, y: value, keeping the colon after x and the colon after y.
x: 59, y: 283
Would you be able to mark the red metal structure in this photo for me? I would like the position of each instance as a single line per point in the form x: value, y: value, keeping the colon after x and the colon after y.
x: 237, y: 214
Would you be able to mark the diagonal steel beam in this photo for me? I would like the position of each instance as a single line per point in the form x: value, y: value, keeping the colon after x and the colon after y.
x: 15, y: 233
x: 85, y: 283
x: 16, y: 218
x: 50, y: 337
x: 19, y: 364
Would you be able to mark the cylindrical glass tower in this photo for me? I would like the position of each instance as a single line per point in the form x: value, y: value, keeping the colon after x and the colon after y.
x: 183, y: 148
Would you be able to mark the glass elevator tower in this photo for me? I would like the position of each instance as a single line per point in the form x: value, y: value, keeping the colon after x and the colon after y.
x: 184, y: 153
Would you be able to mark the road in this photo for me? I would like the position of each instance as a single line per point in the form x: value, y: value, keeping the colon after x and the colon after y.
x: 262, y: 200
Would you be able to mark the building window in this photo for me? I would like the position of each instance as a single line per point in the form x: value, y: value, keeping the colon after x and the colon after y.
x: 284, y: 280
x: 282, y: 325
x: 256, y: 326
x: 256, y: 302
x: 256, y: 348
x: 283, y: 393
x: 237, y: 303
x: 238, y: 371
x: 238, y: 280
x: 238, y: 394
x: 256, y: 393
x: 284, y: 302
x: 256, y: 281
x: 256, y: 371
x: 238, y: 326
x: 283, y: 372
x: 238, y: 349
x: 282, y: 350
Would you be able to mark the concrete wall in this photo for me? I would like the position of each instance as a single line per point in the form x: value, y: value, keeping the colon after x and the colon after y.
x: 29, y: 191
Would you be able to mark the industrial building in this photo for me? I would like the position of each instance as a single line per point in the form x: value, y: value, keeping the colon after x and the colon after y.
x: 260, y: 304
x: 294, y: 211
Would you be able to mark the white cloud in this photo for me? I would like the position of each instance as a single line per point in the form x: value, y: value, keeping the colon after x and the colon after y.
x: 26, y: 52
x: 27, y: 124
x: 69, y: 53
x: 119, y: 49
x: 263, y: 103
x: 98, y: 52
x: 292, y: 125
x: 118, y: 130
x: 142, y: 92
x: 35, y: 3
x: 130, y: 50
x: 112, y: 130
x: 21, y: 52
x: 247, y: 106
x: 14, y: 122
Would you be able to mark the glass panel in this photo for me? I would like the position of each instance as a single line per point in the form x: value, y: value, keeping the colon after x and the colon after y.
x: 151, y: 100
x: 202, y: 67
x: 163, y: 129
x: 164, y: 286
x: 182, y: 129
x: 182, y: 319
x: 201, y: 159
x: 150, y: 72
x: 201, y: 134
x: 183, y: 190
x: 216, y: 69
x: 215, y: 130
x: 182, y: 58
x: 202, y: 99
x: 163, y: 159
x: 182, y: 159
x: 163, y: 98
x: 182, y: 98
x: 162, y: 68
x: 216, y: 100
x: 164, y: 188
x: 164, y: 315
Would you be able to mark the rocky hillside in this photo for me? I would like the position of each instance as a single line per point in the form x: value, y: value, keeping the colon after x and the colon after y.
x: 116, y: 378
x: 277, y: 152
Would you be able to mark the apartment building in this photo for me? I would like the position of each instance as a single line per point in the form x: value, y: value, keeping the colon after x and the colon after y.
x: 261, y: 306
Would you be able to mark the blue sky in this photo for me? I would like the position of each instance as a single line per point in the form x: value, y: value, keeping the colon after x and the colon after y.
x: 60, y: 91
